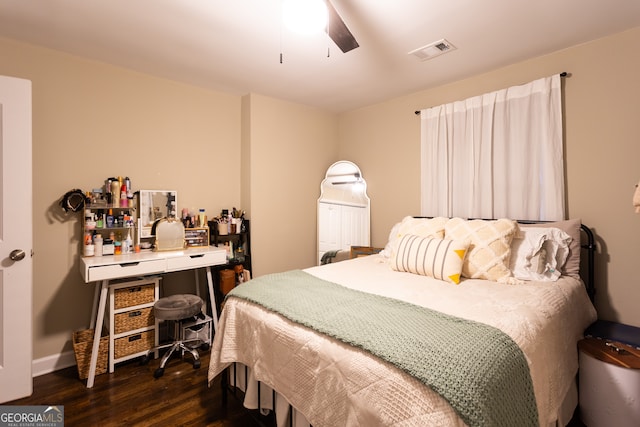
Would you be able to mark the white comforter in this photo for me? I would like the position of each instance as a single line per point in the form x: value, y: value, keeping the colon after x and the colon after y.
x: 333, y: 384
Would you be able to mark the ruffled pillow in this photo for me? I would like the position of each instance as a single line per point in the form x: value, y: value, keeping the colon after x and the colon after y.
x: 572, y: 228
x: 539, y: 253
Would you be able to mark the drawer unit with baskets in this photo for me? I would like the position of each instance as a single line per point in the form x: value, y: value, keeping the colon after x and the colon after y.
x: 132, y: 325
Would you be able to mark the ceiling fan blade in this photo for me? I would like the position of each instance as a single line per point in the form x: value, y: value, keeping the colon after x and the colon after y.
x: 339, y: 32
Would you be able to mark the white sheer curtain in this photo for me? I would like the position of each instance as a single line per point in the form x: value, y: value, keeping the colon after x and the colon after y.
x: 497, y: 155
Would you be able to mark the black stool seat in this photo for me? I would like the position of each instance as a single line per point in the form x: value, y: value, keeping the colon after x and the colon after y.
x: 177, y: 307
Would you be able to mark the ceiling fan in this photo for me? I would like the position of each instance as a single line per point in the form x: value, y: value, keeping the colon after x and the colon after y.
x: 338, y: 31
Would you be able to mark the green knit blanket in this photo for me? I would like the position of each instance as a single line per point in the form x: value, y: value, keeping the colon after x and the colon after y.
x: 477, y: 368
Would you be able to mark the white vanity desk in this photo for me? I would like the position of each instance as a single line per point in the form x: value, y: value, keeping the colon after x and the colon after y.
x: 106, y: 268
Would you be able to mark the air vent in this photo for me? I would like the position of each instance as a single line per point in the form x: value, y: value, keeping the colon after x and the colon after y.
x: 432, y: 50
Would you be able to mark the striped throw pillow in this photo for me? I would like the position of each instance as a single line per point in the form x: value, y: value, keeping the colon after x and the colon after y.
x: 441, y: 259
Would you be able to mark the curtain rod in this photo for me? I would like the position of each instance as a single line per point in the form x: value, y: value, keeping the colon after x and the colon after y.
x: 562, y: 74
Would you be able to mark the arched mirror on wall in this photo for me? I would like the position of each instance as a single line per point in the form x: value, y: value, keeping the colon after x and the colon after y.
x: 343, y: 209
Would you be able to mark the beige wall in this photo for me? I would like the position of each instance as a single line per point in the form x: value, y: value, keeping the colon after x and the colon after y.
x: 268, y: 156
x: 601, y: 143
x: 92, y: 121
x: 291, y: 148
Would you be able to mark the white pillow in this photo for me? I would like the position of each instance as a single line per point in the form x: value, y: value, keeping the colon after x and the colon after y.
x: 572, y: 228
x: 386, y: 252
x: 423, y: 227
x: 441, y: 259
x: 539, y: 253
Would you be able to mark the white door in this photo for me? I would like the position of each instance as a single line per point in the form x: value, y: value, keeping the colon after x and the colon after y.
x: 328, y: 228
x: 354, y: 226
x: 15, y: 240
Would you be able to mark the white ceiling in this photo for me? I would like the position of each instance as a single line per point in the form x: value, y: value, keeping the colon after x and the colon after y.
x: 235, y: 45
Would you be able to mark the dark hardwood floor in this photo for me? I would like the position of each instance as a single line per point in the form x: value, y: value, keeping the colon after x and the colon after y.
x: 131, y: 396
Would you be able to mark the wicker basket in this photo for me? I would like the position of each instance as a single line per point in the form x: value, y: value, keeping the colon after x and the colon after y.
x: 134, y: 319
x: 132, y: 344
x: 82, y: 346
x: 133, y: 295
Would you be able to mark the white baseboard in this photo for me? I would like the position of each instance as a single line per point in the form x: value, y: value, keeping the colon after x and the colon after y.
x: 52, y: 363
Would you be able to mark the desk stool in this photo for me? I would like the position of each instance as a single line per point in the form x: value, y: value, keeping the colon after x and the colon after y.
x: 177, y: 308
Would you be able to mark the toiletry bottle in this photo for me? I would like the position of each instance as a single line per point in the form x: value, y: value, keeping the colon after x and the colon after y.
x: 107, y: 191
x: 203, y: 222
x: 115, y: 192
x: 97, y: 242
x: 127, y: 182
x: 88, y: 248
x: 124, y: 202
x: 127, y: 245
x: 110, y: 219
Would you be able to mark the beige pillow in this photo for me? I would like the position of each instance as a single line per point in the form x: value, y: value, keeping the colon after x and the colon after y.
x: 489, y: 248
x: 438, y: 258
x: 423, y: 227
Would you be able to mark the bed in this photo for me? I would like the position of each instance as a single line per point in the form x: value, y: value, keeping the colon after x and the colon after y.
x: 488, y: 339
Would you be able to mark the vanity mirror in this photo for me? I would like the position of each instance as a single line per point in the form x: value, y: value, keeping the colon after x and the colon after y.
x: 153, y: 205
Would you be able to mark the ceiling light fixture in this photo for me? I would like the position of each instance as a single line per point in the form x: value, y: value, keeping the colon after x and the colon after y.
x: 305, y: 16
